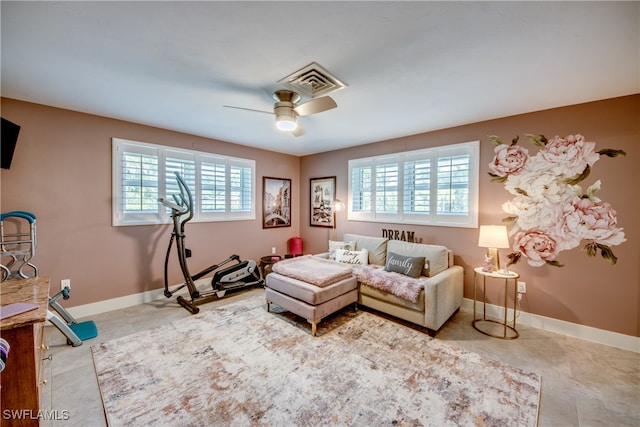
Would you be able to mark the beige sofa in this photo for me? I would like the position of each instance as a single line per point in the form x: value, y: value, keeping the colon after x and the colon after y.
x: 443, y: 281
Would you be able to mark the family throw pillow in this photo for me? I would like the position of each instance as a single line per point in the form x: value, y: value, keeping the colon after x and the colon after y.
x: 352, y: 257
x: 409, y: 266
x: 333, y: 245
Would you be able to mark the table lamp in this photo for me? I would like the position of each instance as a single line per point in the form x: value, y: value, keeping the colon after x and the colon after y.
x: 493, y: 237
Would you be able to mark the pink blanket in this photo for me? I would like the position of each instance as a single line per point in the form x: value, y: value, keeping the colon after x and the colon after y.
x: 395, y: 283
x: 317, y: 271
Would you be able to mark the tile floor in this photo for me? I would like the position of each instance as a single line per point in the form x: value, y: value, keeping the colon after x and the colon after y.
x: 583, y: 384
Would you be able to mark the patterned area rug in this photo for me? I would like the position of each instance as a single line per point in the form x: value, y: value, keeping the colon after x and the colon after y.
x: 239, y: 365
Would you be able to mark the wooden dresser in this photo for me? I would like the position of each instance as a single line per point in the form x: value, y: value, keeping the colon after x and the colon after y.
x: 22, y: 377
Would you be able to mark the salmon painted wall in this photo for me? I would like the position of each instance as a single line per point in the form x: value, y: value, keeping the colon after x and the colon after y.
x: 61, y: 172
x: 586, y: 291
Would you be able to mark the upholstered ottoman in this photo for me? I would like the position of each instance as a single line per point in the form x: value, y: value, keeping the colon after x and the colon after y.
x: 310, y: 301
x: 333, y: 288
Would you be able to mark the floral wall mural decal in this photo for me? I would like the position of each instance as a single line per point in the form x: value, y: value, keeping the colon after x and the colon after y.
x: 550, y: 211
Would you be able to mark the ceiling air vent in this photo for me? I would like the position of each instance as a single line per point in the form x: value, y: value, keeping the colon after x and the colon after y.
x: 312, y: 81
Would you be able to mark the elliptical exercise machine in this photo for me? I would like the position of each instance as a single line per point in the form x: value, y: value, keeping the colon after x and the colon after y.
x: 241, y: 275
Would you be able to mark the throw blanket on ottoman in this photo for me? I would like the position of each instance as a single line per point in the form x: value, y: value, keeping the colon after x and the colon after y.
x: 397, y: 284
x: 317, y: 271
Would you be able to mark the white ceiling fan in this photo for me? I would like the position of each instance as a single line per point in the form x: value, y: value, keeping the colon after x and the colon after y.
x: 287, y: 109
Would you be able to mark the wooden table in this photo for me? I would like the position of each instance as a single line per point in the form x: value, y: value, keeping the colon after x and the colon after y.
x: 21, y: 379
x: 266, y: 264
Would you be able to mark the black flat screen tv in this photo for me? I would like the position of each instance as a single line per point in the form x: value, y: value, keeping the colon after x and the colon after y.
x: 8, y: 139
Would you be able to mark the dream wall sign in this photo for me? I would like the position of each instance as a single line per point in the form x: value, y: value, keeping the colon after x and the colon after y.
x: 550, y: 211
x: 406, y: 236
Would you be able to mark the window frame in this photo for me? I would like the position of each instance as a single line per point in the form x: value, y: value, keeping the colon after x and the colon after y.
x: 360, y: 191
x: 161, y: 214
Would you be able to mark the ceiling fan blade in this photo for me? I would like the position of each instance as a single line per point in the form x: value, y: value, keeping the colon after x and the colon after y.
x: 314, y: 106
x: 298, y: 131
x: 248, y: 109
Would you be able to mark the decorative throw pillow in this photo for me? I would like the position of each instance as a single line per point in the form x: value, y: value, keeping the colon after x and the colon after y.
x: 352, y: 257
x: 436, y: 256
x: 333, y: 245
x: 377, y: 246
x: 409, y: 266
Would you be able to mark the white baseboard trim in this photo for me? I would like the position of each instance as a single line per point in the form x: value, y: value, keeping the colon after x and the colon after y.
x: 92, y: 309
x: 587, y: 333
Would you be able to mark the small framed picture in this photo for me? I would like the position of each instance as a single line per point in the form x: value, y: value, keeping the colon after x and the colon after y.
x: 276, y: 202
x: 323, y: 193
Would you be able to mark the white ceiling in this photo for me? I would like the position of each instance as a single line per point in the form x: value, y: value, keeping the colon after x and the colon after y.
x: 410, y: 67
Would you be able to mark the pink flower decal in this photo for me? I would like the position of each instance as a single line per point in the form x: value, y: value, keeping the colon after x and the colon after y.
x: 594, y: 221
x: 539, y: 247
x: 572, y: 153
x: 509, y: 159
x: 549, y: 212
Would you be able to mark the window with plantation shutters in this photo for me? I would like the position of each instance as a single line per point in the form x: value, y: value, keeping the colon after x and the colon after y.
x: 417, y: 186
x: 223, y: 188
x: 213, y: 185
x: 434, y: 186
x: 386, y: 194
x: 453, y: 185
x: 240, y: 189
x: 139, y: 182
x: 360, y: 189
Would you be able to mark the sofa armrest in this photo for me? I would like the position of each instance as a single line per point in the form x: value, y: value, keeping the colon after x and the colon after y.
x: 443, y: 294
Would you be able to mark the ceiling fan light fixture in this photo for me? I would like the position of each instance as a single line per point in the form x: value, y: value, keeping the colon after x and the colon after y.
x: 287, y: 109
x: 286, y: 118
x: 286, y: 123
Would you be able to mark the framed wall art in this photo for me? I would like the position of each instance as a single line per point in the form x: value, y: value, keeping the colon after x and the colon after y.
x: 276, y: 202
x: 323, y: 193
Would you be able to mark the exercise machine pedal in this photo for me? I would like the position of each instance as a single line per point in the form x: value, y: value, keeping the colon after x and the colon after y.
x: 76, y: 332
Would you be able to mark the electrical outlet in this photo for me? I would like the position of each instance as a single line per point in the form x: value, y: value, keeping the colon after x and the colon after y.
x: 65, y: 283
x: 273, y: 250
x: 522, y: 287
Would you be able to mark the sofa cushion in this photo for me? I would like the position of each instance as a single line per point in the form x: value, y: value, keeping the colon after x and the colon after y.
x: 390, y: 300
x: 377, y: 247
x: 402, y: 286
x: 333, y: 245
x: 352, y: 257
x: 436, y: 256
x: 409, y: 266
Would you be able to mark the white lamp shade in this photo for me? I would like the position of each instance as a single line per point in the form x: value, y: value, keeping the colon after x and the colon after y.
x: 493, y: 236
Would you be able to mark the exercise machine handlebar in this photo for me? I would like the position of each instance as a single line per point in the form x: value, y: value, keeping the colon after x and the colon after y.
x: 180, y: 210
x: 186, y: 198
x: 183, y: 202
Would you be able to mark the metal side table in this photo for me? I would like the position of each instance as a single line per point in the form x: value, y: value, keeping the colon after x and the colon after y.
x: 509, y: 331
